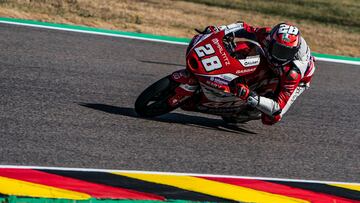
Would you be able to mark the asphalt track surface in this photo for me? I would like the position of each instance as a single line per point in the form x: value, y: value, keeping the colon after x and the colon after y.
x: 66, y: 100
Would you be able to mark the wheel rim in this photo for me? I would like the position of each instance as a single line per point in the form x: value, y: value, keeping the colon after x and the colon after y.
x: 157, y: 104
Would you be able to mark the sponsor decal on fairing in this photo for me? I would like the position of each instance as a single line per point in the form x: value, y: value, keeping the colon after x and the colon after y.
x: 221, y: 51
x: 250, y: 61
x: 245, y: 71
x: 219, y: 81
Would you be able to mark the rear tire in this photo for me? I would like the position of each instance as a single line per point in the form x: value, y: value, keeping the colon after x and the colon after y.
x: 153, y: 100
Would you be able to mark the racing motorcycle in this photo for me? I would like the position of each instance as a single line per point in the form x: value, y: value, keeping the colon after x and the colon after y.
x: 218, y: 61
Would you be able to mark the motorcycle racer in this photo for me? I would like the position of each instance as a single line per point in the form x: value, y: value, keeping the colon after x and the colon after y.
x: 280, y: 78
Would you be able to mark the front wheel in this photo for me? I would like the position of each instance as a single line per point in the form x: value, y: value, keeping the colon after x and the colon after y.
x: 153, y: 100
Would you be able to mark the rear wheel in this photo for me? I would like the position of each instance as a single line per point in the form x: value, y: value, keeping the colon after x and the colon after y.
x: 153, y: 100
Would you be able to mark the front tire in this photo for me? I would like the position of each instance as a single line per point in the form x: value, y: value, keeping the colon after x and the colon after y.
x: 153, y: 100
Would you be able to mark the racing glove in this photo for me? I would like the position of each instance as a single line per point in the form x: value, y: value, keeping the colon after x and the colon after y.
x: 242, y: 91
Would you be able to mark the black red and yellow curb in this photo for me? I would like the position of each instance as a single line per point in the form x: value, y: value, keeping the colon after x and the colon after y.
x: 38, y: 184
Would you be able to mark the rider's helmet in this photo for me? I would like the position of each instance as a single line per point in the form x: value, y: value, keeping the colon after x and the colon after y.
x: 283, y: 44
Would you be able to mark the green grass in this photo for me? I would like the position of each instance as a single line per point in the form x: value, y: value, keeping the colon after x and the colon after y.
x: 345, y: 13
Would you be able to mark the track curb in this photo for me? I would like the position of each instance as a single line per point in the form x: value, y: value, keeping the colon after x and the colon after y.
x: 56, y: 184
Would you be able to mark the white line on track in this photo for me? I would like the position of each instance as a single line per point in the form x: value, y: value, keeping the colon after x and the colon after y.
x: 94, y: 33
x: 149, y: 39
x: 337, y: 61
x: 172, y: 173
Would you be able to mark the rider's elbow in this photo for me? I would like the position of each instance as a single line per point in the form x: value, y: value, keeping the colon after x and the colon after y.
x: 270, y: 120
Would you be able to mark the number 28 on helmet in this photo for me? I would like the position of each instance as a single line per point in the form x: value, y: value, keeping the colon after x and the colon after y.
x: 284, y: 44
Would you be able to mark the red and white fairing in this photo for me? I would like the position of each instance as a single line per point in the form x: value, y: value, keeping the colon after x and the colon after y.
x: 210, y: 61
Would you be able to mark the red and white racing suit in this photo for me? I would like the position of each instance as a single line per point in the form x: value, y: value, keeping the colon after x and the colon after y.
x: 276, y: 87
x: 291, y: 80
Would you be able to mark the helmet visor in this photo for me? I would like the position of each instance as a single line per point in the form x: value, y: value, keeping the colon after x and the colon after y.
x: 282, y: 53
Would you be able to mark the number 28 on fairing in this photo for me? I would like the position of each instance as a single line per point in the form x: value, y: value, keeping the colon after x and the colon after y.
x: 211, y: 63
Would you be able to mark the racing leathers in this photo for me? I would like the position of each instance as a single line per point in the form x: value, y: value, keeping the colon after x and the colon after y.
x: 292, y: 78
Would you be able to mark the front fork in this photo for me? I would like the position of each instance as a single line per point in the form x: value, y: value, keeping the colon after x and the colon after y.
x: 188, y: 86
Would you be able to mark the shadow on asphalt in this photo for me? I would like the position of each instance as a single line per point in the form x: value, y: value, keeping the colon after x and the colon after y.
x: 197, y: 121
